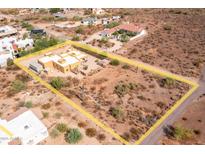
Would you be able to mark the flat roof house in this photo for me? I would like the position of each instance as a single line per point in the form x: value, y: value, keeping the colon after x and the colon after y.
x: 7, y: 31
x: 25, y: 128
x: 64, y: 62
x: 89, y: 21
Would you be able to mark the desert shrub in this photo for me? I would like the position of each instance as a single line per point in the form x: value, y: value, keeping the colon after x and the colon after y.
x: 103, y: 40
x: 101, y: 137
x: 116, y: 112
x: 167, y: 82
x: 126, y: 136
x: 91, y: 132
x: 114, y: 62
x: 79, y: 30
x: 124, y: 38
x: 23, y: 77
x: 112, y: 24
x: 17, y: 86
x: 75, y: 38
x: 181, y: 133
x: 82, y: 124
x: 61, y: 127
x: 77, y: 18
x: 73, y: 136
x: 10, y: 62
x: 26, y: 25
x: 45, y: 114
x: 57, y: 83
x: 122, y: 88
x: 178, y: 132
x: 28, y: 104
x: 46, y: 106
x: 54, y: 133
x: 54, y: 10
x: 125, y: 66
x: 57, y: 115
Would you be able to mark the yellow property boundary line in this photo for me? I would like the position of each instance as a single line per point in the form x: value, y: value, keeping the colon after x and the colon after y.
x: 138, y: 64
x: 6, y: 131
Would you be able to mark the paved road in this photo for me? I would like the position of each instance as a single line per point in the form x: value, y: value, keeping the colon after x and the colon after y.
x: 154, y: 137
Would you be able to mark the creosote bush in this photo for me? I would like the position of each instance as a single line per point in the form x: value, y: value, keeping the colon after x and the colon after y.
x: 91, y: 132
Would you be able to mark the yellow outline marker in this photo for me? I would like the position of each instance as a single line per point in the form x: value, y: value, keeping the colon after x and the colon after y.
x: 138, y: 64
x: 6, y: 131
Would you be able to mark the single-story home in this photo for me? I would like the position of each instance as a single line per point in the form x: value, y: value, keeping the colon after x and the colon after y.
x: 59, y: 15
x: 89, y: 21
x: 7, y: 31
x: 23, y: 127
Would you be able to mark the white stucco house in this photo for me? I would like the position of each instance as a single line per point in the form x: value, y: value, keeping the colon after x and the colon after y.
x: 10, y: 46
x: 26, y: 127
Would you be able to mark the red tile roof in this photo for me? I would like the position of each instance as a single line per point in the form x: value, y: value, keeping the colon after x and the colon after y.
x: 129, y: 27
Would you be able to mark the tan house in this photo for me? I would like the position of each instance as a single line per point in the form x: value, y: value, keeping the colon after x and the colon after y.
x: 64, y: 62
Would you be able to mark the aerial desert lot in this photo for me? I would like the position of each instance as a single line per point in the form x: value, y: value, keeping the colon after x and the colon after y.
x: 126, y: 100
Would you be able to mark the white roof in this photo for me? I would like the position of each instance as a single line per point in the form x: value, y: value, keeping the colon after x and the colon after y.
x: 77, y: 54
x: 27, y: 126
x: 7, y: 30
x: 49, y: 58
x: 69, y: 60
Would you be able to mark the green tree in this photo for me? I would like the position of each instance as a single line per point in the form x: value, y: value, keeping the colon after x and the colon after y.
x: 112, y: 24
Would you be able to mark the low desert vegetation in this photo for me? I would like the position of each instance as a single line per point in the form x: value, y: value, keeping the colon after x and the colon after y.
x: 114, y: 62
x: 73, y: 136
x: 91, y: 132
x: 61, y: 127
x: 116, y: 112
x: 112, y: 24
x: 178, y: 132
x: 45, y: 114
x: 17, y: 86
x: 28, y: 104
x: 167, y: 82
x: 54, y: 133
x: 101, y: 137
x: 46, y: 106
x: 57, y: 83
x: 123, y: 88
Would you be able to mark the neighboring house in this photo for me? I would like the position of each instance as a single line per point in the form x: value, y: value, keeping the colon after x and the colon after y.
x: 98, y: 11
x: 4, y: 58
x: 89, y: 21
x: 59, y: 15
x: 105, y: 21
x: 23, y: 127
x: 116, y: 17
x: 125, y: 27
x: 7, y: 31
x: 10, y: 47
x: 13, y: 45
